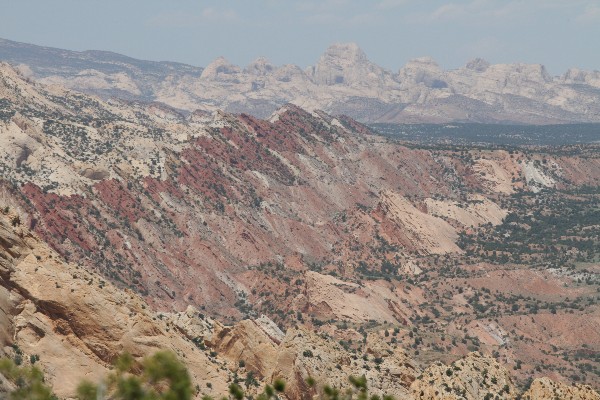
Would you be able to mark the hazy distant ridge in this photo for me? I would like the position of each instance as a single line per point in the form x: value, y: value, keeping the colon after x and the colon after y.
x: 342, y: 81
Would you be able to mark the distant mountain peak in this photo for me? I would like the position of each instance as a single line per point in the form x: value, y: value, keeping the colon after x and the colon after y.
x: 343, y: 63
x: 423, y: 62
x: 218, y: 68
x: 346, y: 51
x: 477, y: 64
x: 261, y: 66
x: 342, y: 81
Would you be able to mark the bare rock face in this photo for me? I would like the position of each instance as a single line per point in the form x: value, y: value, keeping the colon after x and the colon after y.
x: 195, y: 325
x: 474, y: 377
x: 478, y: 64
x: 270, y: 328
x: 546, y: 389
x: 422, y: 71
x: 220, y: 70
x: 577, y: 76
x: 246, y: 343
x: 336, y: 60
x: 260, y: 67
x: 330, y: 298
x: 406, y: 224
x: 399, y: 369
x: 346, y: 64
x: 291, y: 73
x: 75, y: 321
x: 259, y: 347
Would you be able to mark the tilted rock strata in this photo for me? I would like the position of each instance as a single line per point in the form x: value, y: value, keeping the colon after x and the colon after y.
x: 77, y: 324
x: 179, y: 208
x: 227, y: 212
x: 75, y: 321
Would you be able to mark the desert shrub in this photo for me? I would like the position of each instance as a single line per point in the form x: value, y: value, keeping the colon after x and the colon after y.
x: 162, y: 377
x: 29, y: 381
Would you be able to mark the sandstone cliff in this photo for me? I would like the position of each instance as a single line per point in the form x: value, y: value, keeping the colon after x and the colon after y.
x: 75, y: 321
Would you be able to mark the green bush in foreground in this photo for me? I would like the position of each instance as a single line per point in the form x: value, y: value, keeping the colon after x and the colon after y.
x: 158, y: 377
x: 29, y: 381
x: 359, y: 391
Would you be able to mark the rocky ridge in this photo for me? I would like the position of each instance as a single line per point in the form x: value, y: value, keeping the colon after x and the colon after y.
x: 75, y: 324
x: 342, y: 81
x: 117, y: 184
x: 310, y: 219
x: 75, y: 321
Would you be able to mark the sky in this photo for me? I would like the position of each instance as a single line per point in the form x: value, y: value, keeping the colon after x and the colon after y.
x: 557, y: 33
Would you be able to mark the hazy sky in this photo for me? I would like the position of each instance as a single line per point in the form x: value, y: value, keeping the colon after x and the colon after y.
x: 557, y: 33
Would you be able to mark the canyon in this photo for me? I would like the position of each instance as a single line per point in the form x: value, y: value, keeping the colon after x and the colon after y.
x: 303, y: 244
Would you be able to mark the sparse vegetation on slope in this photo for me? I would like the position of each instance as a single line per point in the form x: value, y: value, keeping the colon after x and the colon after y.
x: 358, y: 252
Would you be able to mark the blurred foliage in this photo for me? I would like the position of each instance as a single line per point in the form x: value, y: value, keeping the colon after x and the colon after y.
x: 28, y: 381
x: 158, y: 377
x: 161, y: 377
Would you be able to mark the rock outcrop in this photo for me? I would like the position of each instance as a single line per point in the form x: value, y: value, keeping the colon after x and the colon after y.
x: 473, y: 378
x: 304, y: 354
x: 75, y: 321
x: 409, y: 225
x: 546, y: 389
